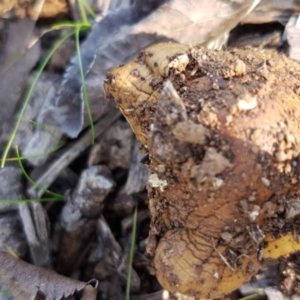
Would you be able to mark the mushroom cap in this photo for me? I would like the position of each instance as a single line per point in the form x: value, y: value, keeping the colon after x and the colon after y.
x: 222, y: 132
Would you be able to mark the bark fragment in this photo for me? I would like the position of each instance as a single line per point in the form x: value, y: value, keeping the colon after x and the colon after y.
x: 79, y: 215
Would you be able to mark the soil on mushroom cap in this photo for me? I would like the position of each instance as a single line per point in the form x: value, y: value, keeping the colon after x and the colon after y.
x: 210, y: 211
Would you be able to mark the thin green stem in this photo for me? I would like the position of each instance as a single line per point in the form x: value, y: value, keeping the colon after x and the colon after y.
x: 46, y: 191
x: 254, y: 296
x: 50, y: 151
x: 89, y: 9
x: 70, y: 24
x: 82, y: 12
x: 5, y: 292
x: 131, y: 253
x: 84, y: 91
x: 60, y: 144
x: 29, y: 93
x: 44, y: 128
x: 8, y: 202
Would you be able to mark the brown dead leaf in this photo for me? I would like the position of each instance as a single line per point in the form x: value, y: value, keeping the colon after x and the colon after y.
x: 27, y: 281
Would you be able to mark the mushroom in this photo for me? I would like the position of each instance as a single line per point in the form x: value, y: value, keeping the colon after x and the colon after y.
x: 221, y: 129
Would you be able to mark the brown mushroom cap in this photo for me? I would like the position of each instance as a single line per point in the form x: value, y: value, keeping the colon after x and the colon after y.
x: 222, y: 132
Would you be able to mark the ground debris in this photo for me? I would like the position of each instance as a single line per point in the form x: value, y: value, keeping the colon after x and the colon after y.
x: 203, y: 123
x: 292, y: 34
x: 11, y: 234
x: 26, y: 281
x: 35, y: 223
x: 106, y: 261
x: 19, y: 53
x: 78, y: 217
x: 31, y: 136
x: 115, y: 147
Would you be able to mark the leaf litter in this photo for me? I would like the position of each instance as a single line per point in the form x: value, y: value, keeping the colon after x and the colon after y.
x: 88, y: 234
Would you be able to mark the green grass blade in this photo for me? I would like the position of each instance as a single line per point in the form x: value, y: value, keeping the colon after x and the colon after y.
x: 131, y: 253
x: 29, y: 93
x: 82, y: 12
x: 64, y: 24
x: 60, y: 144
x: 44, y: 128
x: 88, y: 8
x: 5, y: 293
x: 8, y: 202
x: 255, y: 296
x: 84, y: 91
x: 71, y: 24
x: 50, y: 151
x: 46, y: 191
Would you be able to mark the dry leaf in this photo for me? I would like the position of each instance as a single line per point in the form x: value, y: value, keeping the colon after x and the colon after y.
x: 26, y: 281
x: 125, y: 31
